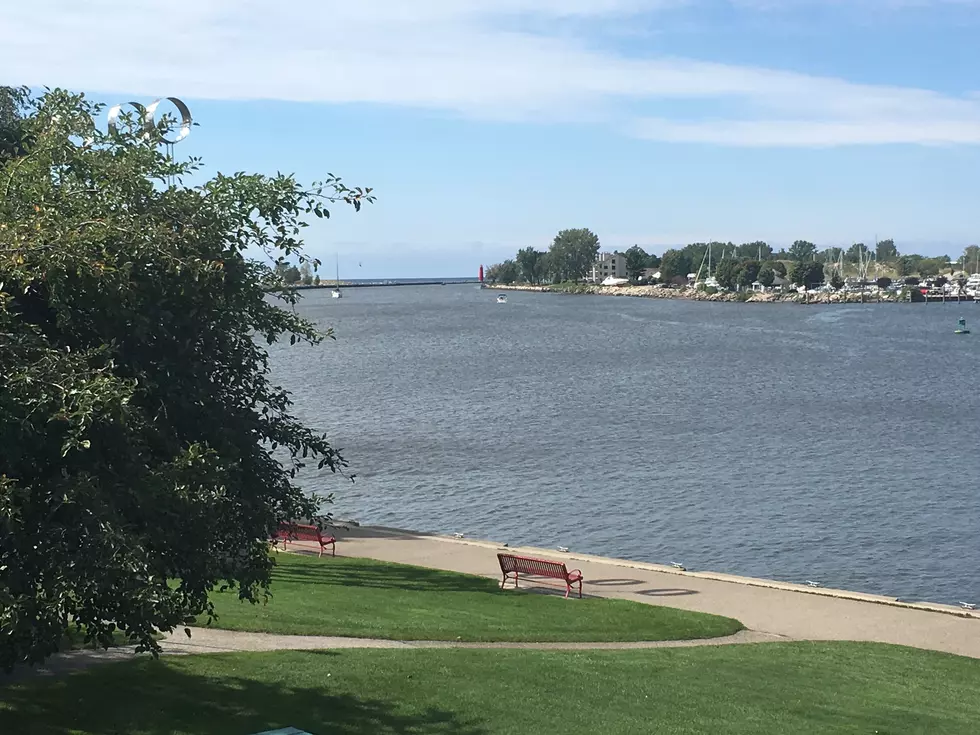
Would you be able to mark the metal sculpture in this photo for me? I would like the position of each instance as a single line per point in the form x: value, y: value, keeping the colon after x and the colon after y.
x: 148, y: 123
x: 116, y: 110
x: 185, y: 118
x: 148, y: 113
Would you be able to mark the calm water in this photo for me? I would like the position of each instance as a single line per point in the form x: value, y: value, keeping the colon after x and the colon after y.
x: 829, y: 443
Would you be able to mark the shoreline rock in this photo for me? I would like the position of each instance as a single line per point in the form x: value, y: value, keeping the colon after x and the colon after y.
x: 690, y: 294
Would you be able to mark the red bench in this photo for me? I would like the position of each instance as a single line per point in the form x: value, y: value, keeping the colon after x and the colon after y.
x: 299, y: 532
x: 514, y: 566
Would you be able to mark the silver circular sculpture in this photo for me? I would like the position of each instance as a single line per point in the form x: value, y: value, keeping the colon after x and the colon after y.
x: 147, y: 114
x: 185, y: 118
x: 116, y: 110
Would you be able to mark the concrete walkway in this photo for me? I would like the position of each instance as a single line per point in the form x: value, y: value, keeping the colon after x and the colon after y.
x: 780, y: 610
x: 207, y: 640
x: 210, y: 640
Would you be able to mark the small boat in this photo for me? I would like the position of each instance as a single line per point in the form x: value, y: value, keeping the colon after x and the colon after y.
x: 961, y: 327
x: 336, y: 293
x: 501, y: 299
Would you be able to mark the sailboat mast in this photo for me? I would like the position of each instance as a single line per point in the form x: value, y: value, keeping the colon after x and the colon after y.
x: 701, y: 267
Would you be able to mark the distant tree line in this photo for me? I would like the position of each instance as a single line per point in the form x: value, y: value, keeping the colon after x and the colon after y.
x: 295, y: 276
x: 569, y: 259
x: 573, y: 252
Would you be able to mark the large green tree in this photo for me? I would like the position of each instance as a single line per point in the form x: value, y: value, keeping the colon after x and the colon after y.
x: 505, y: 273
x: 748, y: 271
x: 758, y: 250
x: 674, y: 263
x: 531, y: 265
x: 726, y: 273
x: 886, y: 251
x: 904, y: 266
x: 146, y: 454
x: 971, y: 259
x: 807, y: 273
x: 857, y: 252
x: 802, y: 250
x: 636, y: 261
x: 13, y: 135
x: 767, y: 275
x: 830, y: 255
x: 572, y: 254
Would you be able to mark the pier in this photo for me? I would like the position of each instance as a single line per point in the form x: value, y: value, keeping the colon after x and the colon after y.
x: 372, y: 284
x: 942, y: 298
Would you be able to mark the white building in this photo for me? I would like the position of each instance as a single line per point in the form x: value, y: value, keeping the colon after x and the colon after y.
x: 607, y: 265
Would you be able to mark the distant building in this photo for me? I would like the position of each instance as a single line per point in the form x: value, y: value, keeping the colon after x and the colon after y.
x: 607, y: 265
x: 778, y: 284
x: 650, y: 275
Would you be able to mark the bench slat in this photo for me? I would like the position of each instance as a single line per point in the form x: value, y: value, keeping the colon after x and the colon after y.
x: 511, y: 564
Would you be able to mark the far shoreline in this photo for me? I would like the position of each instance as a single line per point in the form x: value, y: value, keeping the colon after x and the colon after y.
x: 691, y: 294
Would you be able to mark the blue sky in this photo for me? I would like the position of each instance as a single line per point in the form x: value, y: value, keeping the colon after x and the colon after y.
x: 488, y: 125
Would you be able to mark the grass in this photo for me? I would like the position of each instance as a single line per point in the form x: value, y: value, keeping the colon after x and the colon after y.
x: 372, y: 599
x: 780, y: 688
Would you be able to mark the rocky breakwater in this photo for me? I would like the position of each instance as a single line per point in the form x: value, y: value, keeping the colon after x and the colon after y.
x: 692, y: 294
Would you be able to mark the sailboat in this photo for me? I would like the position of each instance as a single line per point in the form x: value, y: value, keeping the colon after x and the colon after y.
x: 336, y: 293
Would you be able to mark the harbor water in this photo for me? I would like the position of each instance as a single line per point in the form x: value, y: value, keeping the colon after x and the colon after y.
x: 830, y: 443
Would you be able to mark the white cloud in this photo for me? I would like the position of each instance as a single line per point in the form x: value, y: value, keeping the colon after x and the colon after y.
x: 474, y: 58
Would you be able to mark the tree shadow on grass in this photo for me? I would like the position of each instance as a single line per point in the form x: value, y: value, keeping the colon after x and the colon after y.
x: 379, y: 575
x: 149, y: 697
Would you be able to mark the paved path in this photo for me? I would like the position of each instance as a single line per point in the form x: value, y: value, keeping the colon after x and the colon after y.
x: 774, y: 608
x: 209, y: 640
x: 206, y: 640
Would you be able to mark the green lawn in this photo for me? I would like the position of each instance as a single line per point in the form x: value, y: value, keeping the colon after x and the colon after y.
x: 372, y: 599
x: 782, y: 689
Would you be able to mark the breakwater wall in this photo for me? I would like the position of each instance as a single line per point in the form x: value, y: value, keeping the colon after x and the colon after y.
x: 659, y: 292
x: 371, y: 284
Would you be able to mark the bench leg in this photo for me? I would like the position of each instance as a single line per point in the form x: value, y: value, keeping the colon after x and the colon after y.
x: 580, y: 589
